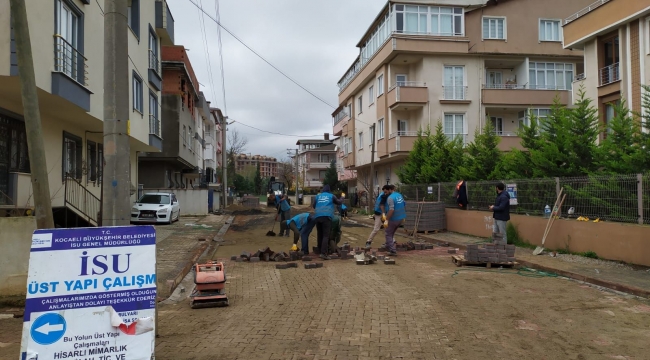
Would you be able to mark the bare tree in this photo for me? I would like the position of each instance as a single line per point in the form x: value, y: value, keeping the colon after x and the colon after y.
x: 236, y: 143
x: 365, y: 179
x: 287, y: 173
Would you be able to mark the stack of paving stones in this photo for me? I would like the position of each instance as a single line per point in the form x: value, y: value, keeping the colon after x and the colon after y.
x: 490, y: 253
x: 265, y: 254
x: 432, y: 216
x: 250, y: 202
x: 408, y: 246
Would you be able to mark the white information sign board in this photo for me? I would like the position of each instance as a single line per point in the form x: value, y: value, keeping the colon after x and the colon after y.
x: 91, y: 294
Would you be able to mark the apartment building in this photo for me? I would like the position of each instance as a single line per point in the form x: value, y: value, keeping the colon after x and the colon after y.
x: 269, y: 166
x: 212, y: 153
x: 314, y: 158
x: 615, y: 38
x: 462, y: 64
x: 67, y: 38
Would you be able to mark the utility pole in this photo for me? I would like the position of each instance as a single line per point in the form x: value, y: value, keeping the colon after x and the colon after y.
x: 117, y: 151
x: 32, y: 115
x: 372, y: 160
x: 224, y: 165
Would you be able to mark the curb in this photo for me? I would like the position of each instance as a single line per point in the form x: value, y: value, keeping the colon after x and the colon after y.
x: 571, y: 275
x: 196, y: 255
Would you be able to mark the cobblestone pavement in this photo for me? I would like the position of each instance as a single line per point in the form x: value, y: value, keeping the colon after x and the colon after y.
x: 420, y: 308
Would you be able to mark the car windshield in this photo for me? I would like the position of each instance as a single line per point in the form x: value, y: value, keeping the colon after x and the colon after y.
x: 154, y: 199
x: 276, y: 186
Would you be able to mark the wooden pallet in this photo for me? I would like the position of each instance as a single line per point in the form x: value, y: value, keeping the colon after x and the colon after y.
x: 459, y: 260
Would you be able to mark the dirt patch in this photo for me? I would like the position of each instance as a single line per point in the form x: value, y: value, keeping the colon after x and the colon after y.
x: 247, y: 212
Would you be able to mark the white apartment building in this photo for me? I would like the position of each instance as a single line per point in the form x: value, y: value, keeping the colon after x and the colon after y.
x: 314, y: 158
x: 458, y: 62
x: 70, y: 83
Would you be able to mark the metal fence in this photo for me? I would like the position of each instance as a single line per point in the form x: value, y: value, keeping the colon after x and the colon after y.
x: 619, y: 198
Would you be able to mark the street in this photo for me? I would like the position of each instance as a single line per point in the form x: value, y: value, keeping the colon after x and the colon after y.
x: 421, y: 308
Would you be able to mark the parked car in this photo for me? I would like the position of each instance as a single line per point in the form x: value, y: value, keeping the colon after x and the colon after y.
x: 157, y: 208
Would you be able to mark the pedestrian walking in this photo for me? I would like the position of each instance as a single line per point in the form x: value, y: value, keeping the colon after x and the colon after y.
x: 324, y: 208
x: 395, y: 216
x: 284, y: 211
x: 501, y: 213
x: 380, y: 214
x: 460, y: 193
x: 296, y: 224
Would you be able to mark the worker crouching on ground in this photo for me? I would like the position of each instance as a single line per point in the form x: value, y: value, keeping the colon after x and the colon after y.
x: 324, y: 208
x: 284, y: 211
x: 334, y: 238
x: 501, y: 213
x: 380, y: 214
x: 395, y: 216
x: 296, y: 224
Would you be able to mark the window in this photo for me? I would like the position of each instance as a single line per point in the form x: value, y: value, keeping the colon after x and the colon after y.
x: 494, y: 80
x: 154, y: 62
x: 68, y: 49
x: 380, y: 129
x: 360, y: 104
x: 190, y: 143
x: 72, y: 156
x: 610, y: 113
x: 133, y: 17
x: 550, y: 76
x: 436, y: 20
x: 401, y: 80
x: 494, y: 28
x: 94, y: 161
x: 137, y: 93
x: 454, y: 79
x: 154, y: 121
x: 402, y: 127
x: 184, y: 136
x: 380, y: 85
x: 371, y: 95
x: 497, y: 124
x: 321, y: 175
x: 360, y: 141
x: 549, y: 30
x: 13, y: 147
x: 454, y: 126
x: 539, y: 114
x: 100, y: 162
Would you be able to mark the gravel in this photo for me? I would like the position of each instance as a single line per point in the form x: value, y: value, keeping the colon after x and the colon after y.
x: 577, y: 259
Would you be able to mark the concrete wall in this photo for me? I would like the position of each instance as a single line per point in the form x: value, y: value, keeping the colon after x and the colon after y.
x: 613, y: 241
x: 192, y: 201
x: 15, y: 242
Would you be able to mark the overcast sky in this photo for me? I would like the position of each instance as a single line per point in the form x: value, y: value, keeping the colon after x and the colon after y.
x: 311, y: 41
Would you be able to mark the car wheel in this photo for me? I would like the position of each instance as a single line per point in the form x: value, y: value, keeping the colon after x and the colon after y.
x: 178, y: 216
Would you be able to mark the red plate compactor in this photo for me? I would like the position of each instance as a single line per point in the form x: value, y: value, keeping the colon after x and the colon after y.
x: 210, y: 282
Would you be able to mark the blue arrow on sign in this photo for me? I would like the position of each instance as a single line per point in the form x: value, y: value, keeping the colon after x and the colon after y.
x: 48, y: 328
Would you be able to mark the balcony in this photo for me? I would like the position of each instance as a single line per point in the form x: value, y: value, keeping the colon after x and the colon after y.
x: 164, y: 23
x: 155, y: 137
x: 155, y: 78
x: 317, y: 165
x: 407, y: 94
x: 509, y: 140
x: 609, y: 74
x: 70, y: 75
x: 401, y: 141
x: 454, y: 94
x: 515, y: 94
x: 340, y: 118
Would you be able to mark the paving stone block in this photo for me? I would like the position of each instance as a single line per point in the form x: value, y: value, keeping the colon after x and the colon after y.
x: 265, y: 257
x: 246, y: 255
x: 292, y: 265
x: 361, y: 262
x: 451, y: 251
x: 310, y: 266
x: 389, y: 261
x: 306, y: 258
x: 234, y: 257
x: 381, y: 257
x: 254, y: 259
x: 240, y: 259
x: 428, y: 247
x: 281, y: 266
x: 319, y: 265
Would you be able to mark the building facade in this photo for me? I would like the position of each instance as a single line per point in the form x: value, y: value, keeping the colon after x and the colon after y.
x: 70, y: 83
x: 269, y: 166
x: 615, y: 39
x: 314, y: 158
x: 462, y: 64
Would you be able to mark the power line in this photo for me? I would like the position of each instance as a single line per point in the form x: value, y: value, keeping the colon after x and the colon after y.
x: 205, y: 46
x: 261, y: 57
x: 271, y: 132
x: 223, y: 79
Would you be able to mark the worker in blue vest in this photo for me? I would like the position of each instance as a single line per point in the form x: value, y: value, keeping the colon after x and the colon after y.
x: 394, y: 218
x: 284, y: 211
x: 324, y: 208
x: 296, y: 224
x: 380, y: 214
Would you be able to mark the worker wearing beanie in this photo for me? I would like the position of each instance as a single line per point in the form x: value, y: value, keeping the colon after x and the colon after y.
x: 324, y: 208
x: 296, y: 224
x: 395, y: 217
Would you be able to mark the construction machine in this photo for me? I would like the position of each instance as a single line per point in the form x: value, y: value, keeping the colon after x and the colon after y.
x: 275, y: 189
x: 209, y: 285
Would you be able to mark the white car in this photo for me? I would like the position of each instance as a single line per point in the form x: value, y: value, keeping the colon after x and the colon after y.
x: 156, y: 208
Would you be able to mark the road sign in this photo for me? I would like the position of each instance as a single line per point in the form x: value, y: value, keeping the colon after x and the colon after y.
x: 91, y: 293
x: 48, y: 328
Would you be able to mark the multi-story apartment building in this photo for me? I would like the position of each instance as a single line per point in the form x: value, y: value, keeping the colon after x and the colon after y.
x: 314, y: 157
x: 177, y: 165
x: 615, y: 38
x: 212, y: 153
x: 67, y: 38
x: 269, y: 166
x: 458, y: 62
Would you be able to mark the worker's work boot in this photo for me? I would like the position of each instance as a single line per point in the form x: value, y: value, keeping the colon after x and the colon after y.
x: 368, y: 244
x: 325, y: 257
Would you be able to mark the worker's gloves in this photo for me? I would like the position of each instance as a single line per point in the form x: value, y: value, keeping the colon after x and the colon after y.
x: 294, y: 247
x: 383, y: 217
x: 385, y: 223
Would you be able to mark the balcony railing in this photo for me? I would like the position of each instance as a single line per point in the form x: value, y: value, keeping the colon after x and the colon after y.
x: 463, y: 137
x: 579, y: 77
x: 403, y: 133
x: 154, y: 126
x: 609, y: 74
x: 408, y: 84
x: 585, y: 11
x: 503, y: 86
x: 454, y: 92
x: 340, y: 116
x: 154, y: 62
x: 69, y: 61
x: 505, y: 133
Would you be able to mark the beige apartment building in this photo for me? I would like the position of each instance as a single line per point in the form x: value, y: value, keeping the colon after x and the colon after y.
x: 269, y: 166
x: 67, y: 38
x: 314, y: 158
x: 459, y: 62
x: 615, y: 38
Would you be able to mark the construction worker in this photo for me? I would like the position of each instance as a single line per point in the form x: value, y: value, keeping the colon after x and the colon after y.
x: 334, y: 238
x: 296, y: 223
x: 335, y: 234
x: 395, y: 217
x: 380, y: 214
x: 284, y: 211
x: 324, y: 207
